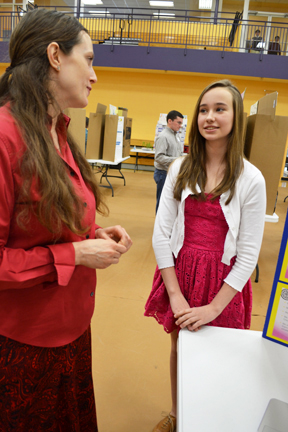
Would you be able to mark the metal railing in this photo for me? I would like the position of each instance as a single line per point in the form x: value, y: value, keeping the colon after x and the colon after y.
x: 185, y: 29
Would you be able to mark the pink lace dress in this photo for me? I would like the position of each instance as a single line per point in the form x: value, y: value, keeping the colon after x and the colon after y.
x: 200, y: 271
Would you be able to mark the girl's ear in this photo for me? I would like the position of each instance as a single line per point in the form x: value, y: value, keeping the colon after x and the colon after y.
x: 53, y: 54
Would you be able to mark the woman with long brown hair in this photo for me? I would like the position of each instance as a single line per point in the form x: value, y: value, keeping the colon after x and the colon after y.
x: 50, y: 245
x: 208, y: 229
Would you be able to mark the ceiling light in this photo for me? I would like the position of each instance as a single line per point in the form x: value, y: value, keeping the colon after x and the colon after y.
x: 268, y: 14
x: 92, y: 2
x: 161, y: 3
x: 205, y: 4
x: 164, y: 15
x: 98, y: 12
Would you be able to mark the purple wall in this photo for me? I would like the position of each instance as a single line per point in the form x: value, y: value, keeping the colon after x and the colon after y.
x: 200, y: 61
x: 4, y: 52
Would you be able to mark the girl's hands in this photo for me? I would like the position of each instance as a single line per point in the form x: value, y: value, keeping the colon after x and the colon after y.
x: 179, y: 304
x: 194, y: 318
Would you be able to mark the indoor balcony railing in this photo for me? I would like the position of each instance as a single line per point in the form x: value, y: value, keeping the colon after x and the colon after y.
x: 184, y: 29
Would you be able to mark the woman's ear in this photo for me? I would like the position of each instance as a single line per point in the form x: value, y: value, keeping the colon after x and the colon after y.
x: 53, y: 54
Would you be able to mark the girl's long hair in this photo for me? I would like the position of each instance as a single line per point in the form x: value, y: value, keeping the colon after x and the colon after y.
x: 193, y: 167
x: 25, y: 86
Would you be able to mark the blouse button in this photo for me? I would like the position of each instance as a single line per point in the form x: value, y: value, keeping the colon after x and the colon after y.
x: 87, y: 236
x: 85, y: 204
x: 92, y: 294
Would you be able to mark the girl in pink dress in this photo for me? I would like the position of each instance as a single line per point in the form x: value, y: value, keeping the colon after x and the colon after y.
x: 208, y: 229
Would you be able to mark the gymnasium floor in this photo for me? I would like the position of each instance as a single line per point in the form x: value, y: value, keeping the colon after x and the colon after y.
x: 131, y: 352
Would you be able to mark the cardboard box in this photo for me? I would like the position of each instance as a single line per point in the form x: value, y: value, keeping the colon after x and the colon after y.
x: 123, y: 112
x: 113, y: 137
x: 127, y: 131
x: 117, y: 136
x: 266, y: 105
x: 77, y: 125
x: 95, y: 137
x: 265, y: 145
x: 127, y: 136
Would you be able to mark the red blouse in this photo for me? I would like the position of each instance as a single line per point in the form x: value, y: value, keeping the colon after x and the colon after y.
x: 45, y: 300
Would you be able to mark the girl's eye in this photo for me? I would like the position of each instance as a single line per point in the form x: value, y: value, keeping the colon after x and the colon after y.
x: 220, y: 109
x: 202, y: 110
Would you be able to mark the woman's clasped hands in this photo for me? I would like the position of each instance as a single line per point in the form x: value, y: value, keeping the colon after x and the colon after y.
x: 106, y: 249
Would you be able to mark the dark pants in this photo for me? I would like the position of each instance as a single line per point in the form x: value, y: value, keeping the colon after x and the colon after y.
x: 159, y: 177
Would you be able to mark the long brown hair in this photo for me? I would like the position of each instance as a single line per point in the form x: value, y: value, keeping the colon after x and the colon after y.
x: 25, y: 86
x: 193, y: 167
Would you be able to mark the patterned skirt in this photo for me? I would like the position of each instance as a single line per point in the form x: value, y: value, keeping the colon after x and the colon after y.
x: 47, y: 389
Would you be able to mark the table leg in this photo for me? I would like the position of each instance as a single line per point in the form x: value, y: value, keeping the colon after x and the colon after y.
x: 136, y: 163
x: 257, y: 273
x: 106, y: 177
x: 122, y: 176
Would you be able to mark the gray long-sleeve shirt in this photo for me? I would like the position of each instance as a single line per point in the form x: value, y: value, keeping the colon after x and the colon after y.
x: 167, y: 149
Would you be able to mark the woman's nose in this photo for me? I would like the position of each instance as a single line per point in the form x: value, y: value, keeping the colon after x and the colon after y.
x: 93, y: 77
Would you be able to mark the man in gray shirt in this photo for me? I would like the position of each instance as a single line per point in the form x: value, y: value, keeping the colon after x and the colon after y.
x: 167, y: 149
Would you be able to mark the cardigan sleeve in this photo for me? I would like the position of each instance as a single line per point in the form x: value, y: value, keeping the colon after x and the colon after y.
x: 165, y: 219
x: 248, y: 242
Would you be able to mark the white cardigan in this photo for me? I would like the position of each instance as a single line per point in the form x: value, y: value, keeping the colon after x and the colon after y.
x: 245, y: 216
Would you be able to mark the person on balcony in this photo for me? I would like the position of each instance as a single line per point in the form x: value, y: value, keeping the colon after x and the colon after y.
x: 255, y: 41
x: 274, y: 47
x: 167, y: 149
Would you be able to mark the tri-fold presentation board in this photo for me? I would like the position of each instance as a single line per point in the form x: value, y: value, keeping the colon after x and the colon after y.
x: 265, y: 144
x: 109, y: 135
x: 276, y: 324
